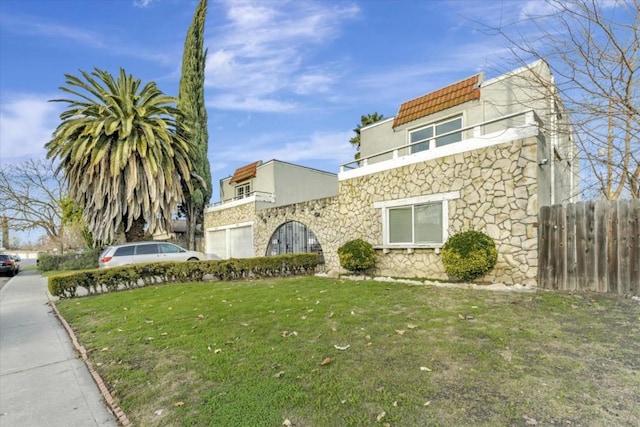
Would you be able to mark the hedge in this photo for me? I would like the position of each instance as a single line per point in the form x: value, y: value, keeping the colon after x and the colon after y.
x: 74, y: 261
x: 105, y: 280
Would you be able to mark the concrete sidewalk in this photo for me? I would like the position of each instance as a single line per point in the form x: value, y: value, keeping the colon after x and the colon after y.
x: 42, y: 381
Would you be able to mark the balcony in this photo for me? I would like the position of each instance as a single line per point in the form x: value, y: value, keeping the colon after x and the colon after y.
x: 253, y: 197
x: 503, y: 129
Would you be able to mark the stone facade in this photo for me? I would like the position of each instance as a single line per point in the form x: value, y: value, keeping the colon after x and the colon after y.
x: 319, y: 215
x: 498, y: 195
x: 234, y: 215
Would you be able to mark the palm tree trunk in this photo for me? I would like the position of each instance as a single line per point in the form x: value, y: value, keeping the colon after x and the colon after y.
x: 135, y: 233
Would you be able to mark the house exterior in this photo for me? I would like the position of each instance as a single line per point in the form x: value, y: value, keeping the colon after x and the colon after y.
x: 478, y: 154
x: 230, y: 225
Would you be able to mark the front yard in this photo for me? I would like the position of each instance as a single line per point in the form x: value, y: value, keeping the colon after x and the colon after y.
x: 319, y: 352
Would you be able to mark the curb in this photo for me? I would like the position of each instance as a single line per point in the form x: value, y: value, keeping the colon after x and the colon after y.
x: 111, y: 404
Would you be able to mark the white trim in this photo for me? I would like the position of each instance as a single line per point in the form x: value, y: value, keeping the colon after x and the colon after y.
x: 466, y: 145
x: 418, y: 200
x: 236, y: 225
x: 512, y: 73
x: 414, y: 201
x: 255, y: 197
x: 379, y: 122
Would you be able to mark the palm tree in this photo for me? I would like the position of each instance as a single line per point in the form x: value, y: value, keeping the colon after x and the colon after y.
x: 367, y: 120
x: 120, y: 153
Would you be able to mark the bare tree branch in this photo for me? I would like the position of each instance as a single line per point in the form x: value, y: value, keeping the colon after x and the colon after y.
x: 30, y: 198
x: 591, y: 47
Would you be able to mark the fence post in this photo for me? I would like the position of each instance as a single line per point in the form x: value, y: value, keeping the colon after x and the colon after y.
x: 544, y: 277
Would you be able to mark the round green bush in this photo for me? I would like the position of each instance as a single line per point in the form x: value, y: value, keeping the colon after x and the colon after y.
x: 469, y: 255
x: 357, y: 255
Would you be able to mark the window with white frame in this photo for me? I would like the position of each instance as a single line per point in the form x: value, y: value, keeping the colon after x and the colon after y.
x: 421, y: 138
x: 243, y: 190
x: 416, y: 221
x: 416, y: 224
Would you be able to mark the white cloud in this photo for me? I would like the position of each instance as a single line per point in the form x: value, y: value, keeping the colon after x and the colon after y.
x: 319, y: 146
x: 33, y: 26
x: 262, y: 51
x: 28, y: 26
x: 27, y: 123
x: 238, y: 103
x: 142, y: 3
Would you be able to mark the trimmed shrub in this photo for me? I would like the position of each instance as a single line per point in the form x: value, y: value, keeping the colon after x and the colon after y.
x: 65, y: 285
x: 73, y: 261
x: 357, y: 256
x: 469, y: 255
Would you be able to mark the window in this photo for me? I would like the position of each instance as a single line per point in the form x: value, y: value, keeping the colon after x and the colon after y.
x: 243, y: 190
x: 416, y: 221
x: 420, y: 139
x: 416, y: 224
x: 150, y: 249
x: 125, y: 251
x: 168, y: 248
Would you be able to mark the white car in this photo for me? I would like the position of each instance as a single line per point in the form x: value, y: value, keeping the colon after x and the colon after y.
x: 141, y: 252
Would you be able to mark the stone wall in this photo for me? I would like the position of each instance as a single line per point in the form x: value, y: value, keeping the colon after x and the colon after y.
x: 318, y: 215
x: 498, y: 195
x: 234, y: 215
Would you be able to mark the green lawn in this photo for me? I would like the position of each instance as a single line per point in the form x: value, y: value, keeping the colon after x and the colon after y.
x: 261, y: 352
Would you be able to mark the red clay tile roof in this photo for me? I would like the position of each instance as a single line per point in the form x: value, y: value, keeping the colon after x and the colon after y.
x: 441, y: 99
x: 245, y: 172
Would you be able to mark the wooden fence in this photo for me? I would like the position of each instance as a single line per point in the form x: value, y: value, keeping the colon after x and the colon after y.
x: 590, y: 246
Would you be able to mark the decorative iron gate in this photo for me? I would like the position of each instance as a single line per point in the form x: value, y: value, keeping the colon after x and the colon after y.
x: 294, y: 237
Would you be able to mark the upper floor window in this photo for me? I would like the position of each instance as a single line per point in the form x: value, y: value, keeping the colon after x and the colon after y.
x: 243, y: 190
x: 429, y: 136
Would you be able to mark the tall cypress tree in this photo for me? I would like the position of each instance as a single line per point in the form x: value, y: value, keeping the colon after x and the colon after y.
x: 193, y: 123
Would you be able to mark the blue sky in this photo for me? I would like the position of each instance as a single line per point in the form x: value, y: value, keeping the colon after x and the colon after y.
x: 284, y: 79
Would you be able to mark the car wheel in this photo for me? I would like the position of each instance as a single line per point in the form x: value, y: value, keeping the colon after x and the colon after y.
x: 193, y: 259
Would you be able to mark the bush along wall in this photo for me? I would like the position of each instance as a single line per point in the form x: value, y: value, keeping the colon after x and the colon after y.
x: 469, y: 255
x: 357, y: 256
x: 96, y: 281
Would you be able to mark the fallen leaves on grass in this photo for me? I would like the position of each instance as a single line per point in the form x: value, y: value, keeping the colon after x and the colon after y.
x: 341, y: 347
x: 327, y: 360
x: 278, y: 374
x: 178, y: 404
